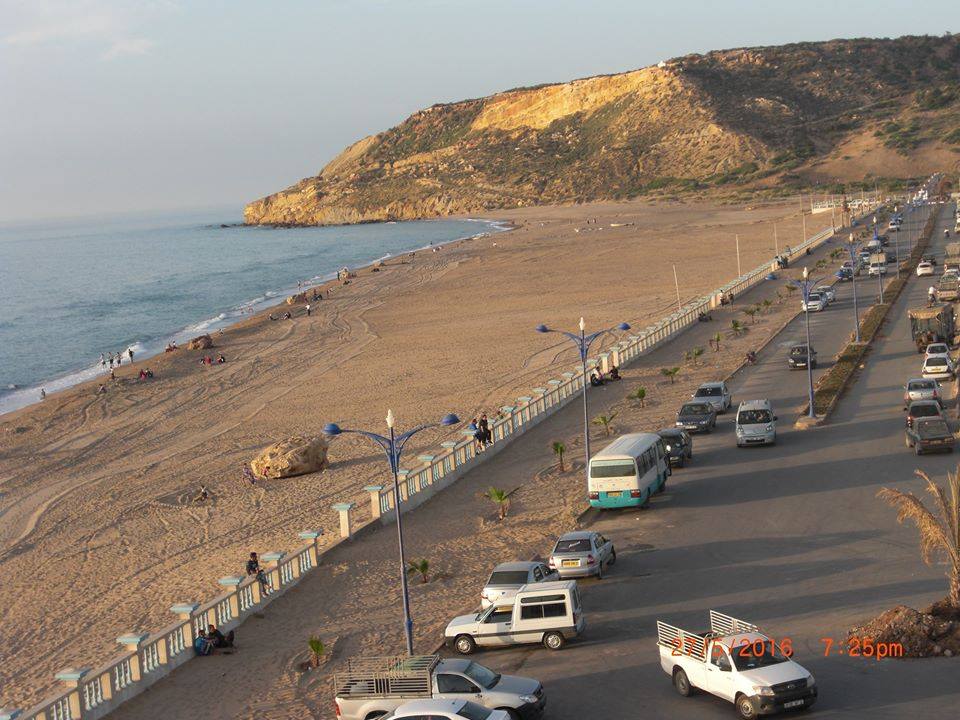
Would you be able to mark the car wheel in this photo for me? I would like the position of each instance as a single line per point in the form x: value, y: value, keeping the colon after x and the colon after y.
x: 554, y: 641
x: 613, y: 552
x: 682, y: 683
x: 464, y: 645
x: 511, y: 713
x: 745, y: 708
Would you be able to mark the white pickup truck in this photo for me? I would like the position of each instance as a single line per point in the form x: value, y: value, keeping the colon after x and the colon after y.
x: 373, y: 687
x: 738, y: 663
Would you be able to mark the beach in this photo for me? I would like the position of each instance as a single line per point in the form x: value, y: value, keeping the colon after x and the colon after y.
x: 98, y: 528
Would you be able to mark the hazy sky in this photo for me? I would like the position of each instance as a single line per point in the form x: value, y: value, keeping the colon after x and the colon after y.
x: 111, y: 106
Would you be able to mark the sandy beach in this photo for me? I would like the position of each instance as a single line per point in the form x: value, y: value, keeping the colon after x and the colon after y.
x: 97, y: 528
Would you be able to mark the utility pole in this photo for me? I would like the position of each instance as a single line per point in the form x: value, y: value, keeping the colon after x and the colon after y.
x: 677, y: 283
x: 739, y: 273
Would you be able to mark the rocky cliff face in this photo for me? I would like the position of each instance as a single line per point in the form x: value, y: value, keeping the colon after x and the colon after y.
x: 702, y: 121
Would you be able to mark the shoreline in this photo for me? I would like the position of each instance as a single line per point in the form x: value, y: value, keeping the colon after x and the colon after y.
x: 229, y: 318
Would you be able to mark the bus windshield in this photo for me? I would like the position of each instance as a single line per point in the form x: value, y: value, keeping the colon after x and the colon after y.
x: 613, y: 469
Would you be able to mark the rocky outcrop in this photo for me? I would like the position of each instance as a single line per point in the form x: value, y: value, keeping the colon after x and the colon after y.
x: 733, y: 117
x: 294, y: 456
x: 201, y: 342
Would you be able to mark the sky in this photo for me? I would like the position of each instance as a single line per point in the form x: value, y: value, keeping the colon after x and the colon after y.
x: 110, y: 106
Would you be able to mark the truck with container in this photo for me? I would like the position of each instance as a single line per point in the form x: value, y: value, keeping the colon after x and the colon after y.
x: 375, y: 686
x: 932, y: 324
x: 948, y: 287
x: 878, y: 264
x: 735, y: 661
x: 951, y: 257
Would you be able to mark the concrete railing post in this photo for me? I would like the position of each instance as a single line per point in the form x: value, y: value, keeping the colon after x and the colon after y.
x: 271, y: 568
x: 131, y: 642
x: 346, y: 531
x: 313, y: 537
x: 232, y: 582
x: 71, y: 678
x: 374, y: 491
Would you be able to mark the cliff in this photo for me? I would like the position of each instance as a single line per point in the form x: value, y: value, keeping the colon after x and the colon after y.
x: 744, y: 118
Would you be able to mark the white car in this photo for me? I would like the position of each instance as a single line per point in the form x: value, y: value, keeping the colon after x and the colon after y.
x: 445, y: 710
x: 508, y: 577
x: 938, y: 368
x: 828, y: 292
x: 877, y: 268
x: 937, y: 350
x: 924, y: 268
x: 814, y: 303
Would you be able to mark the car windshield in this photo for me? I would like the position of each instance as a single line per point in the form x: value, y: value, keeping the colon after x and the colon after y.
x: 936, y: 362
x: 753, y: 417
x: 925, y: 410
x: 484, y: 676
x: 750, y: 656
x: 937, y: 349
x: 708, y: 392
x: 933, y: 429
x: 472, y: 711
x: 814, y: 297
x: 921, y: 385
x: 572, y: 546
x: 695, y: 409
x: 508, y: 577
x: 612, y: 470
x: 798, y: 350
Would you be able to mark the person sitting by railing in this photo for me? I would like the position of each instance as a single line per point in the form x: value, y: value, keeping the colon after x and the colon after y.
x: 218, y: 639
x: 596, y: 379
x: 202, y: 645
x: 253, y: 568
x: 615, y: 373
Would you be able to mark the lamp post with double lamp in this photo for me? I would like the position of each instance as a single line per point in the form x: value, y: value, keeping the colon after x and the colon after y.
x: 583, y: 343
x: 854, y: 248
x: 805, y: 286
x: 393, y: 447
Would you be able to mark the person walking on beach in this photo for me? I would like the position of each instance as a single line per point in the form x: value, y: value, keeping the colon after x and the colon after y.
x: 308, y: 309
x: 111, y: 360
x: 43, y: 394
x: 130, y: 353
x: 103, y: 362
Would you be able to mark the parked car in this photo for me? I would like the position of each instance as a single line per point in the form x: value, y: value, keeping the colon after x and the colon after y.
x: 582, y: 553
x: 507, y: 577
x: 815, y: 302
x: 924, y: 268
x: 827, y: 292
x: 929, y: 435
x: 697, y: 417
x: 922, y: 409
x: 678, y: 444
x: 756, y: 424
x: 921, y: 389
x: 445, y: 710
x: 549, y: 613
x: 845, y: 274
x: 373, y: 686
x: 715, y: 393
x: 938, y: 368
x: 797, y: 357
x: 937, y: 350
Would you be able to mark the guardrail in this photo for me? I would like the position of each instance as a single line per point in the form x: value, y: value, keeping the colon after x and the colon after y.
x: 92, y: 693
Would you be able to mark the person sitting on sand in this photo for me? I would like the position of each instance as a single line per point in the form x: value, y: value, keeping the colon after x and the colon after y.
x: 221, y: 359
x: 614, y: 373
x: 142, y: 375
x: 202, y: 645
x: 287, y: 315
x: 102, y: 390
x: 253, y: 568
x: 218, y: 639
x: 596, y: 380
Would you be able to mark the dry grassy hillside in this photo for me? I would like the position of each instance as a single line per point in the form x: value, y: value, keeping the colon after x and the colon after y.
x: 731, y: 120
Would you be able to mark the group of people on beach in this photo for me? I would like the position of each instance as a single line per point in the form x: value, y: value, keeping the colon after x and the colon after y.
x: 207, y: 360
x: 482, y: 433
x: 110, y: 358
x: 210, y: 640
x: 597, y: 378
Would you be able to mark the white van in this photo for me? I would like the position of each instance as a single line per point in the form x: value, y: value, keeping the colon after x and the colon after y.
x: 756, y: 423
x: 548, y: 613
x: 628, y: 471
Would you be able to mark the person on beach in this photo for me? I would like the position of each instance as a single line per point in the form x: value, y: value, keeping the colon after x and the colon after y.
x: 111, y: 360
x: 596, y: 380
x: 43, y: 394
x: 614, y: 373
x: 102, y: 390
x: 221, y: 359
x: 130, y: 353
x: 287, y: 315
x: 478, y: 435
x: 253, y: 568
x: 218, y: 639
x: 103, y: 361
x: 308, y: 309
x: 202, y: 645
x: 113, y: 375
x: 484, y: 425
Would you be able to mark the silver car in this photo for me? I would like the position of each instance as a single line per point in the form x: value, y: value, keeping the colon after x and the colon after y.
x: 715, y: 393
x: 509, y: 577
x: 582, y: 553
x: 921, y: 389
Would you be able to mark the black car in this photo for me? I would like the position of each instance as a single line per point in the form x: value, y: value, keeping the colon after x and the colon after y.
x: 678, y: 444
x: 697, y: 417
x: 929, y: 434
x: 798, y: 356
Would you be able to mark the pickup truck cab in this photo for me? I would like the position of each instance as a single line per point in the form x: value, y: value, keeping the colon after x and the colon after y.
x: 736, y: 662
x: 372, y: 687
x: 549, y: 613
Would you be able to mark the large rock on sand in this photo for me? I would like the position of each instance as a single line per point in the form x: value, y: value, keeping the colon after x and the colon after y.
x: 293, y: 456
x: 298, y: 298
x: 201, y: 342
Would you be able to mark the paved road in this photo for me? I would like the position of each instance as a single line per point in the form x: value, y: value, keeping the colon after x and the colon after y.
x: 791, y: 537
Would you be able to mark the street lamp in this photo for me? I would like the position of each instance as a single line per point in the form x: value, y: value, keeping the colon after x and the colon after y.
x: 805, y: 287
x: 393, y: 447
x: 854, y: 248
x: 583, y: 343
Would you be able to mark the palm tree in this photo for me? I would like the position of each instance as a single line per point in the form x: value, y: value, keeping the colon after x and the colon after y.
x: 559, y: 449
x: 316, y: 650
x: 670, y: 373
x: 750, y: 312
x: 639, y: 394
x: 716, y: 342
x: 939, y: 529
x: 501, y: 499
x: 697, y: 352
x: 767, y: 303
x: 737, y: 327
x: 604, y: 420
x: 419, y: 567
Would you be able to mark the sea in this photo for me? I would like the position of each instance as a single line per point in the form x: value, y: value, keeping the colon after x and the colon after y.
x: 70, y: 290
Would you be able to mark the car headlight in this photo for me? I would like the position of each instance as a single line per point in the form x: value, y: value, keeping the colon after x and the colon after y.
x: 810, y: 681
x: 769, y: 428
x: 739, y: 430
x: 668, y: 448
x: 528, y: 698
x: 763, y: 690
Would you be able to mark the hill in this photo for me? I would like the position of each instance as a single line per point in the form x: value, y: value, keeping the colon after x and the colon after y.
x: 752, y: 119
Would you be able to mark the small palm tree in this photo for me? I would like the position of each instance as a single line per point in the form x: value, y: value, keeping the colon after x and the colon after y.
x: 697, y: 352
x: 737, y: 327
x: 419, y: 567
x: 791, y: 289
x: 670, y: 373
x: 779, y: 298
x: 939, y: 528
x: 767, y: 303
x: 716, y: 342
x: 559, y: 449
x: 317, y: 649
x: 501, y: 499
x: 605, y: 421
x: 639, y: 394
x: 750, y: 312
